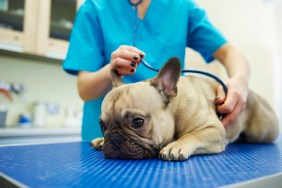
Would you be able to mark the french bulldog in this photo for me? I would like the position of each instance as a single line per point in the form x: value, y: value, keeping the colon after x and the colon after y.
x: 174, y: 117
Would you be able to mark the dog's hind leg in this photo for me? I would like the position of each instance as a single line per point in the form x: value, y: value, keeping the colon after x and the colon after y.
x: 261, y: 122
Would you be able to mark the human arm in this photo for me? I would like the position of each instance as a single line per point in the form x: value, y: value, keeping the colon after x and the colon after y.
x: 238, y: 83
x: 92, y: 85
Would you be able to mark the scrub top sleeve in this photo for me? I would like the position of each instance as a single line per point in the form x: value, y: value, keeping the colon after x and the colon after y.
x: 202, y: 35
x: 85, y: 48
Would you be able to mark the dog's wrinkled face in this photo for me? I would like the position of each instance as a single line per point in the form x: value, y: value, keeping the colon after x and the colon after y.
x: 134, y: 118
x: 128, y: 124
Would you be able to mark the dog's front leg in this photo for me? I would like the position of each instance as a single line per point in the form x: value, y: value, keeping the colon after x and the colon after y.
x: 97, y: 143
x: 207, y: 140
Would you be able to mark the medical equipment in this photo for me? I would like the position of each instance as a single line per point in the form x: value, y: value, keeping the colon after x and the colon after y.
x: 135, y: 5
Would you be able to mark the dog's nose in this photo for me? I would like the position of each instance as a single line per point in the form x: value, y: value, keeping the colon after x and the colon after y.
x: 116, y: 140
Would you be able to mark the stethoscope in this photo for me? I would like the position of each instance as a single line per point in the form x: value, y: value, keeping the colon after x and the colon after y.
x: 146, y: 64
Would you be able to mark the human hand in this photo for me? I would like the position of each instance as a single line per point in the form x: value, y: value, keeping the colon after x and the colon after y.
x: 125, y: 59
x: 234, y: 103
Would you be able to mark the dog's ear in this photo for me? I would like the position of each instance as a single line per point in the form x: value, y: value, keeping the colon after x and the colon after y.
x: 167, y: 79
x: 116, y: 80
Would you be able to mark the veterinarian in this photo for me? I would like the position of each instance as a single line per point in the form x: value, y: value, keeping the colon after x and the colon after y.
x: 106, y: 35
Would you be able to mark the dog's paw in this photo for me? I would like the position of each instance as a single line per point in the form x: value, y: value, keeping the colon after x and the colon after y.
x: 174, y: 151
x: 97, y: 143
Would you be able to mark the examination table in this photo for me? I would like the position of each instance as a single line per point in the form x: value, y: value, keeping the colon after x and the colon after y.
x: 76, y: 164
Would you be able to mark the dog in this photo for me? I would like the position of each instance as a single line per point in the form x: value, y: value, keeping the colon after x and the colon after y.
x: 174, y: 117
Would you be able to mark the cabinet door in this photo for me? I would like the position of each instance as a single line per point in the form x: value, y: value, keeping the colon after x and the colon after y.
x: 16, y: 16
x: 54, y: 34
x: 40, y: 27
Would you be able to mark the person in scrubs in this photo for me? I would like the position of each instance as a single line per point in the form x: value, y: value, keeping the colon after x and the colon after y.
x: 106, y: 35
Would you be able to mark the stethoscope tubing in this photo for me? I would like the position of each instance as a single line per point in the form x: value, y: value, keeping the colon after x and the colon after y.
x: 146, y: 64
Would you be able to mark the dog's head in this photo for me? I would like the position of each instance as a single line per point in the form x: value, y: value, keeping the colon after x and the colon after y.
x: 136, y: 119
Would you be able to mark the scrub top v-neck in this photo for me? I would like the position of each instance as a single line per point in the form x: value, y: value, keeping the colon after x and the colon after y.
x: 167, y: 28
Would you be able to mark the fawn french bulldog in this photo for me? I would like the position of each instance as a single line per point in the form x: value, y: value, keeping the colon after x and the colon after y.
x: 174, y: 117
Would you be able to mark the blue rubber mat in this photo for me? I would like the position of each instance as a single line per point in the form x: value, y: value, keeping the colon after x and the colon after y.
x: 77, y: 165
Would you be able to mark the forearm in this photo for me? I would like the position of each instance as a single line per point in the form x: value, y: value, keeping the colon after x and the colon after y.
x: 238, y: 70
x: 235, y: 63
x: 237, y: 66
x: 92, y: 85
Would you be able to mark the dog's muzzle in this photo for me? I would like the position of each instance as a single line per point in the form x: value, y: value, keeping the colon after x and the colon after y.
x: 119, y: 146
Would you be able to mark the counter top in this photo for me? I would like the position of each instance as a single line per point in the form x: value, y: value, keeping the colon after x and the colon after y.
x: 78, y: 165
x: 18, y: 136
x: 9, y: 132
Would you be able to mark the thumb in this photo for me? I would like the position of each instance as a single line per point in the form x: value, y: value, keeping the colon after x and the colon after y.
x: 220, y: 95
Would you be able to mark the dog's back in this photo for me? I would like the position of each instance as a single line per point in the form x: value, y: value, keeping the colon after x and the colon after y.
x: 257, y: 123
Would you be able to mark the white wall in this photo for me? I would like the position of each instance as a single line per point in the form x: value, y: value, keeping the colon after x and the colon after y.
x: 254, y: 27
x: 44, y: 81
x: 277, y: 53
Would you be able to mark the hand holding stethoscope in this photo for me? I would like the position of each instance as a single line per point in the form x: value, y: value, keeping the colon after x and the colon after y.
x: 125, y: 59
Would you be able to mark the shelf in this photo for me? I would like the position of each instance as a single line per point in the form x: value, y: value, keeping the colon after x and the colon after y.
x: 59, y: 31
x: 11, y: 20
x: 48, y: 59
x: 62, y: 15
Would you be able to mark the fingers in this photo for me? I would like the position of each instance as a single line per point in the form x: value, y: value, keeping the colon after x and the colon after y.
x: 230, y: 118
x: 125, y: 59
x: 120, y: 63
x: 132, y: 49
x: 220, y: 95
x: 232, y: 107
x: 228, y: 105
x: 126, y: 71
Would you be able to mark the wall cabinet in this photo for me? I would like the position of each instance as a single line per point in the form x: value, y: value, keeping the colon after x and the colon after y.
x: 40, y: 27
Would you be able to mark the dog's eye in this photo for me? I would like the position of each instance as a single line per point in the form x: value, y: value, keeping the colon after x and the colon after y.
x: 137, y: 122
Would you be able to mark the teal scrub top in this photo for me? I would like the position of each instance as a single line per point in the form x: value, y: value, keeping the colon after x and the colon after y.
x: 168, y: 27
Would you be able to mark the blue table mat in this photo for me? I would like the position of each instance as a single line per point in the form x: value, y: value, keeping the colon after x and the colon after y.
x: 78, y: 165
